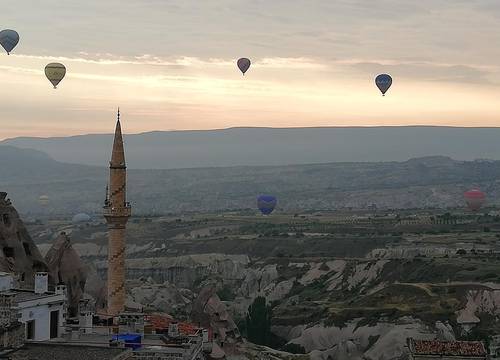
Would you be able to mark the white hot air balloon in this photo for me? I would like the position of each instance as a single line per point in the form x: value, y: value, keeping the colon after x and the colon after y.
x: 43, y: 200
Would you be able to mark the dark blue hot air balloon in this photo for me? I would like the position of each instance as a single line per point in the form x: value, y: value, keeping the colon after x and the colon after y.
x: 266, y: 204
x: 244, y: 64
x: 9, y: 39
x: 383, y: 82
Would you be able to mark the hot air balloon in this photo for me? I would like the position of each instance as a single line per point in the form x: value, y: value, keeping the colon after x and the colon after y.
x: 43, y: 200
x: 80, y: 218
x: 475, y: 199
x: 9, y: 40
x: 244, y: 65
x: 266, y: 204
x: 55, y: 72
x: 383, y: 82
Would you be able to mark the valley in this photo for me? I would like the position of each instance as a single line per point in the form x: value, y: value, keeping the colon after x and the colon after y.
x: 339, y: 284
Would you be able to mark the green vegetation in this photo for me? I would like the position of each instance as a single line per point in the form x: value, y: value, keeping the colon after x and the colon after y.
x: 226, y: 293
x: 258, y: 322
x: 294, y: 348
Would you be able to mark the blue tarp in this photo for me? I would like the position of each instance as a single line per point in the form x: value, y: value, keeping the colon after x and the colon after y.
x: 131, y: 340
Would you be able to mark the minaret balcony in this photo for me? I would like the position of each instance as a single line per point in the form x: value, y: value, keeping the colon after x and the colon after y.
x: 118, y: 211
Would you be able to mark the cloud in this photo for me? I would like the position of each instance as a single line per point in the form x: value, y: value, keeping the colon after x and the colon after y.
x: 313, y: 61
x: 429, y: 71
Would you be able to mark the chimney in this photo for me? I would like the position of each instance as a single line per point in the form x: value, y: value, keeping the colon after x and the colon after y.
x: 61, y: 289
x: 41, y: 283
x: 173, y: 330
x: 6, y: 281
x: 85, y: 320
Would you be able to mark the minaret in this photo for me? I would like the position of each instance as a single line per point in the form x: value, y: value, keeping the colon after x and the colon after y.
x: 116, y: 211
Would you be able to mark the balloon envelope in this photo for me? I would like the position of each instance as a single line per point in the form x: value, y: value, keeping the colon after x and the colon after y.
x: 55, y: 72
x: 266, y: 203
x: 244, y: 65
x: 475, y: 199
x: 9, y: 40
x: 43, y: 200
x: 383, y: 82
x: 80, y: 218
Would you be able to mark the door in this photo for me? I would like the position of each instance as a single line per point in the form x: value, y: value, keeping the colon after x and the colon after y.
x: 30, y: 330
x: 54, y: 324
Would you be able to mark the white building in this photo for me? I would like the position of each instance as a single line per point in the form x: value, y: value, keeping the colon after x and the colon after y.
x: 42, y: 312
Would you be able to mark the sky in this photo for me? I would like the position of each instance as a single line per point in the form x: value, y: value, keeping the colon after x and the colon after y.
x: 170, y: 65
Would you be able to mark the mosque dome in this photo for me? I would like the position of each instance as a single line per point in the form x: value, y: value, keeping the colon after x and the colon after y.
x: 80, y: 218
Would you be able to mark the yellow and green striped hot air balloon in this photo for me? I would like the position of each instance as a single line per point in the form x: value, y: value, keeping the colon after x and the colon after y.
x: 55, y: 72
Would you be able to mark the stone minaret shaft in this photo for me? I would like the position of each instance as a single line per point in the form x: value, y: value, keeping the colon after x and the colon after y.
x: 116, y: 211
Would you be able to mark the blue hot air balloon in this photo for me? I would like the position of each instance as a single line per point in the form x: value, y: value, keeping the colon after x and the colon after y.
x: 266, y: 204
x: 9, y: 39
x: 244, y: 64
x: 383, y: 82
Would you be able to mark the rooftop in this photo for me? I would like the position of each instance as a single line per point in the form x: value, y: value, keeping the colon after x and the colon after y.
x: 447, y: 348
x: 54, y: 351
x: 161, y: 322
x: 29, y: 295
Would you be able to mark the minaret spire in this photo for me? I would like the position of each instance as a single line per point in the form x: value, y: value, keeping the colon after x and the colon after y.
x: 118, y: 154
x: 117, y: 211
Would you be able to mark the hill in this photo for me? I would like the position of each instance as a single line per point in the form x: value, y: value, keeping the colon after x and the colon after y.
x: 272, y: 146
x: 423, y: 182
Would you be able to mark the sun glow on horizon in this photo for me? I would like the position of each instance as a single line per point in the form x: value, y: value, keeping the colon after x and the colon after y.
x: 280, y: 92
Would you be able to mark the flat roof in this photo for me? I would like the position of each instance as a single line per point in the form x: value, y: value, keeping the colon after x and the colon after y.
x: 28, y: 295
x: 56, y: 351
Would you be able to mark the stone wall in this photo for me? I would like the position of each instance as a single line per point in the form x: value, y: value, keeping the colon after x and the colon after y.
x: 12, y: 336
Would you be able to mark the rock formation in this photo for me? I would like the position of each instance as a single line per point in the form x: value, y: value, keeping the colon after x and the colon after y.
x: 209, y: 311
x: 164, y: 298
x: 66, y: 267
x: 19, y: 254
x: 183, y: 271
x: 96, y: 287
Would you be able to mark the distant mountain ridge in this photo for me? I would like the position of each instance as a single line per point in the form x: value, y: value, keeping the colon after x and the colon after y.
x: 271, y: 146
x: 436, y: 181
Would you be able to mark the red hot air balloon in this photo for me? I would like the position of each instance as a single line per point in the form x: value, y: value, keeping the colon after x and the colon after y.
x: 475, y: 199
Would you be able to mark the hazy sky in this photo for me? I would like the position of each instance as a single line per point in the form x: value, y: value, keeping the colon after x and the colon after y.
x: 171, y: 64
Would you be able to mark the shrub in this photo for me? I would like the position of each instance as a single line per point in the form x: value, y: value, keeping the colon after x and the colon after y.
x: 294, y: 348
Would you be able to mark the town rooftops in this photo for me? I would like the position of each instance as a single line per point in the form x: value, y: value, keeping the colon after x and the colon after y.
x: 447, y: 348
x: 162, y: 321
x: 56, y: 351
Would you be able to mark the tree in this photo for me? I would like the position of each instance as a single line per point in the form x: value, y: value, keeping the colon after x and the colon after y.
x: 258, y: 322
x: 294, y: 348
x: 226, y: 294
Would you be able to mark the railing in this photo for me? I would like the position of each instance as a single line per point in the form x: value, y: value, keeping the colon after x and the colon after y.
x: 125, y: 211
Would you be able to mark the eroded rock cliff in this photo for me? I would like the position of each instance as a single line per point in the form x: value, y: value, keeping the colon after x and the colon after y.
x: 65, y: 267
x: 19, y: 254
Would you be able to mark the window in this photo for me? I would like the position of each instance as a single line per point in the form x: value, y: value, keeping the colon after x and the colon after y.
x: 8, y: 251
x: 27, y: 249
x: 6, y: 219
